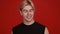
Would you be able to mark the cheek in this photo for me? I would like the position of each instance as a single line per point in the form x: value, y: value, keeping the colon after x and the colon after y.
x: 32, y: 13
x: 24, y: 14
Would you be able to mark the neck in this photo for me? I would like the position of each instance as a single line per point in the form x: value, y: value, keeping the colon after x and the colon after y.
x: 28, y: 22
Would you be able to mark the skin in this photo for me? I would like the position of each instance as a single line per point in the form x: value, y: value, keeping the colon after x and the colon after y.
x: 27, y: 14
x: 46, y: 31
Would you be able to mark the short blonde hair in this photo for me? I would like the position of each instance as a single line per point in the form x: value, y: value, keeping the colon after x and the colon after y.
x: 25, y: 3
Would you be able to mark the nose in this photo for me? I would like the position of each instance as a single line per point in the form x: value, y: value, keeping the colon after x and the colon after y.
x: 28, y: 13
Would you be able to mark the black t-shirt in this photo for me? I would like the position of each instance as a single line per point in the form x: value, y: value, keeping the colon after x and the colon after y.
x: 35, y: 28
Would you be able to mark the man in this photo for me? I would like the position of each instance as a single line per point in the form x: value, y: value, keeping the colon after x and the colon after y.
x: 29, y: 25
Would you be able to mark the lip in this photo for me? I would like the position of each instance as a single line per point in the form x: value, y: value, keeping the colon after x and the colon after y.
x: 29, y: 17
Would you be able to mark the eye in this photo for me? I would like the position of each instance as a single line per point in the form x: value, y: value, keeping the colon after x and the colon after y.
x: 24, y: 11
x: 31, y: 10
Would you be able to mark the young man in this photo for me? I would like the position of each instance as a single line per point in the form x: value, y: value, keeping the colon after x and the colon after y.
x: 29, y: 26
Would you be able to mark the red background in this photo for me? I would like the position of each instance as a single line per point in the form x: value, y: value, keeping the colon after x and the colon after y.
x: 47, y: 13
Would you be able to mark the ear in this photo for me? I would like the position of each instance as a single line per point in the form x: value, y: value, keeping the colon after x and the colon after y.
x: 20, y: 12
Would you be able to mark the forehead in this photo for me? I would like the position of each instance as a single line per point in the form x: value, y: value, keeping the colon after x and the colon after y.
x: 27, y: 7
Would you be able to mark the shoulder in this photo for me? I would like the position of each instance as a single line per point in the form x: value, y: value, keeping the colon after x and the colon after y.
x: 17, y: 27
x: 40, y: 25
x: 43, y: 28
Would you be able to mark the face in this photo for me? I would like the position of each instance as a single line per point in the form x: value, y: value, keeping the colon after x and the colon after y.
x: 27, y: 13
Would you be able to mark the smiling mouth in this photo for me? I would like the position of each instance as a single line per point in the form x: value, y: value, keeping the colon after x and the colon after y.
x: 29, y: 17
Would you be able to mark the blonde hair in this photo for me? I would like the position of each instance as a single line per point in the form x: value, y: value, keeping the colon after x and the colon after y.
x: 25, y: 3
